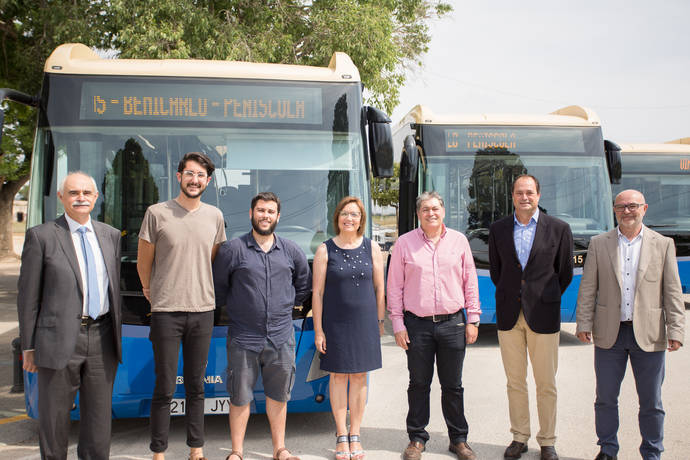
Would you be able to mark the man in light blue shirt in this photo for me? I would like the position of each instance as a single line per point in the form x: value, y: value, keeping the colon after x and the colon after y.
x: 523, y: 236
x: 531, y: 272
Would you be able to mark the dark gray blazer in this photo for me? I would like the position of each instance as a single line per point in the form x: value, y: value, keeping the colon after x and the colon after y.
x: 50, y: 297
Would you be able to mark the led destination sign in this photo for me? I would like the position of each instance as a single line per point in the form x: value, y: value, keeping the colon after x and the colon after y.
x: 655, y: 163
x: 197, y: 102
x: 514, y: 139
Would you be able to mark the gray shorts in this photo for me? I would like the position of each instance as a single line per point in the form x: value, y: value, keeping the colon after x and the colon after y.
x: 277, y: 367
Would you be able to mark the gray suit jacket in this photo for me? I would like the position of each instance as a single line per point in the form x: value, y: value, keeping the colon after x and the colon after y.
x: 50, y: 297
x: 659, y: 310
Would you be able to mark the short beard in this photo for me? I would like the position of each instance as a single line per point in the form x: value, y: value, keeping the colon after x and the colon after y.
x: 262, y: 232
x: 186, y: 193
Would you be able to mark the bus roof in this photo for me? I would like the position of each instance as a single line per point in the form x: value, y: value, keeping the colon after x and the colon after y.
x: 75, y: 58
x: 573, y: 115
x: 677, y: 146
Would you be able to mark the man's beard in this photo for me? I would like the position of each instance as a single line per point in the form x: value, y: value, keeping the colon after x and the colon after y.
x: 188, y: 195
x: 262, y: 232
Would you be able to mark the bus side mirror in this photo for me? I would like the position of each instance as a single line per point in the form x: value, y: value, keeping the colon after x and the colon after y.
x: 613, y: 161
x: 16, y: 96
x: 408, y: 188
x: 409, y: 161
x: 380, y: 143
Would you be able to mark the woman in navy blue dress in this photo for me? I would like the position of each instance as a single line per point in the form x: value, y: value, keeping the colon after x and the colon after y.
x: 348, y: 308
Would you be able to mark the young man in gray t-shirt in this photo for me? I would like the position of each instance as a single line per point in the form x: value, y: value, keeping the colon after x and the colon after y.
x: 177, y: 243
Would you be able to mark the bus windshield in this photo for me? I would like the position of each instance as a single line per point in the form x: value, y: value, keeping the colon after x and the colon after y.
x: 309, y: 163
x: 475, y: 176
x: 664, y: 180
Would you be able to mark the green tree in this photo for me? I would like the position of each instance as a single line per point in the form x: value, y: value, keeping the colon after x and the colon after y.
x: 384, y: 38
x: 384, y: 191
x: 29, y: 31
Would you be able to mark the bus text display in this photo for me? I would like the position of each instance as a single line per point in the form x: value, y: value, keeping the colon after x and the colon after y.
x: 213, y: 103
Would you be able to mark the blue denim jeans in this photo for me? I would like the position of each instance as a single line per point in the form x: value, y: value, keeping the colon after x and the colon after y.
x: 443, y: 342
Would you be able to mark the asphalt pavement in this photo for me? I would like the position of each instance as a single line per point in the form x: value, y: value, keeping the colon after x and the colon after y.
x: 311, y: 436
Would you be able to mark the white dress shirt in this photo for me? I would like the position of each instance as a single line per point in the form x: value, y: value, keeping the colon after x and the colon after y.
x: 629, y: 258
x: 100, y: 264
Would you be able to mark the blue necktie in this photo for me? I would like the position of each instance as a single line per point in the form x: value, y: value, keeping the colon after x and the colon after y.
x: 93, y: 301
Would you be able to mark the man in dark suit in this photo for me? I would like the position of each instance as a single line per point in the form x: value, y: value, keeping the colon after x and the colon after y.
x: 69, y: 320
x: 531, y: 264
x: 630, y: 304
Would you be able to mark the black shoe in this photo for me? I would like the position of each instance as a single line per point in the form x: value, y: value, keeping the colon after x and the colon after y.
x: 603, y: 456
x: 515, y: 450
x: 548, y: 453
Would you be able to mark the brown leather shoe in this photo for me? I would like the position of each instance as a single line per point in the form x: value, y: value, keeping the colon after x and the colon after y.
x: 515, y: 450
x: 463, y: 451
x: 548, y: 453
x: 413, y: 451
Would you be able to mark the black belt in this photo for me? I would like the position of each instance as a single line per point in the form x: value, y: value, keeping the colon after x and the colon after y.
x: 435, y: 318
x: 627, y: 323
x: 88, y: 321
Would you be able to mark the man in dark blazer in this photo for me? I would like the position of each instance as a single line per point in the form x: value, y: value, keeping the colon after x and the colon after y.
x: 531, y: 264
x: 70, y: 322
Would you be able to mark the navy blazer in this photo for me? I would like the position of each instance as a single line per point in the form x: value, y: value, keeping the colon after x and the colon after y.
x: 537, y: 290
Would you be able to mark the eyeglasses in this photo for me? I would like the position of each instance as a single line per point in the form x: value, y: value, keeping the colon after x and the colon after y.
x: 354, y: 215
x: 632, y: 207
x: 191, y: 174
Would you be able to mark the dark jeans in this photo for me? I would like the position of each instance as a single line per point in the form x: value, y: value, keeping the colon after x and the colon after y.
x: 194, y: 331
x: 444, y: 342
x: 648, y: 370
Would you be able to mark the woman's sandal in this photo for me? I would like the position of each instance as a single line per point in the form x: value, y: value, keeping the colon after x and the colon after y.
x: 341, y: 454
x: 280, y: 451
x: 356, y: 454
x: 236, y: 454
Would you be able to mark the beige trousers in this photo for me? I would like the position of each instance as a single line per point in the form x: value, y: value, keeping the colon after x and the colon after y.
x: 543, y: 354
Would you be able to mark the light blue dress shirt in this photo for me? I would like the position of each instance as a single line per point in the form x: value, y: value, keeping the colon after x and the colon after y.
x: 523, y: 236
x: 101, y: 271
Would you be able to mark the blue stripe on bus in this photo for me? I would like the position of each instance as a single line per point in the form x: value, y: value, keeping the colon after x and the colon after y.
x: 487, y: 297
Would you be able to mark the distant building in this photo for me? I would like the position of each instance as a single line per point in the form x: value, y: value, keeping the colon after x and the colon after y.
x: 19, y: 211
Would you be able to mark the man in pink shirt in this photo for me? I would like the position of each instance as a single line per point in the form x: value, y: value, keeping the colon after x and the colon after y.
x: 433, y: 300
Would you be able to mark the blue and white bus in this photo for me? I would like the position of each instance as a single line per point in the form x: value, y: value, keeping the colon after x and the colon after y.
x: 472, y: 160
x: 662, y: 173
x: 301, y: 132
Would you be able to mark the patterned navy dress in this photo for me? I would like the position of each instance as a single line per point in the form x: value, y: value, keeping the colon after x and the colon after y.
x: 350, y: 319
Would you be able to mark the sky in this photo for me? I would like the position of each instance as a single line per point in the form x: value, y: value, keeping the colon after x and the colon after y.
x: 629, y: 61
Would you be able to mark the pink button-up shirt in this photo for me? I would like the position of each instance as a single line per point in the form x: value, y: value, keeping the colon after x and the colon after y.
x: 427, y: 279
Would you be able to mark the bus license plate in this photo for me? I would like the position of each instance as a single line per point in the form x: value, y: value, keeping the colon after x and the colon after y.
x: 211, y: 406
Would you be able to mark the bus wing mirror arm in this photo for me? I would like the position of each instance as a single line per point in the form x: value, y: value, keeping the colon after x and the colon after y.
x: 380, y: 143
x: 16, y: 96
